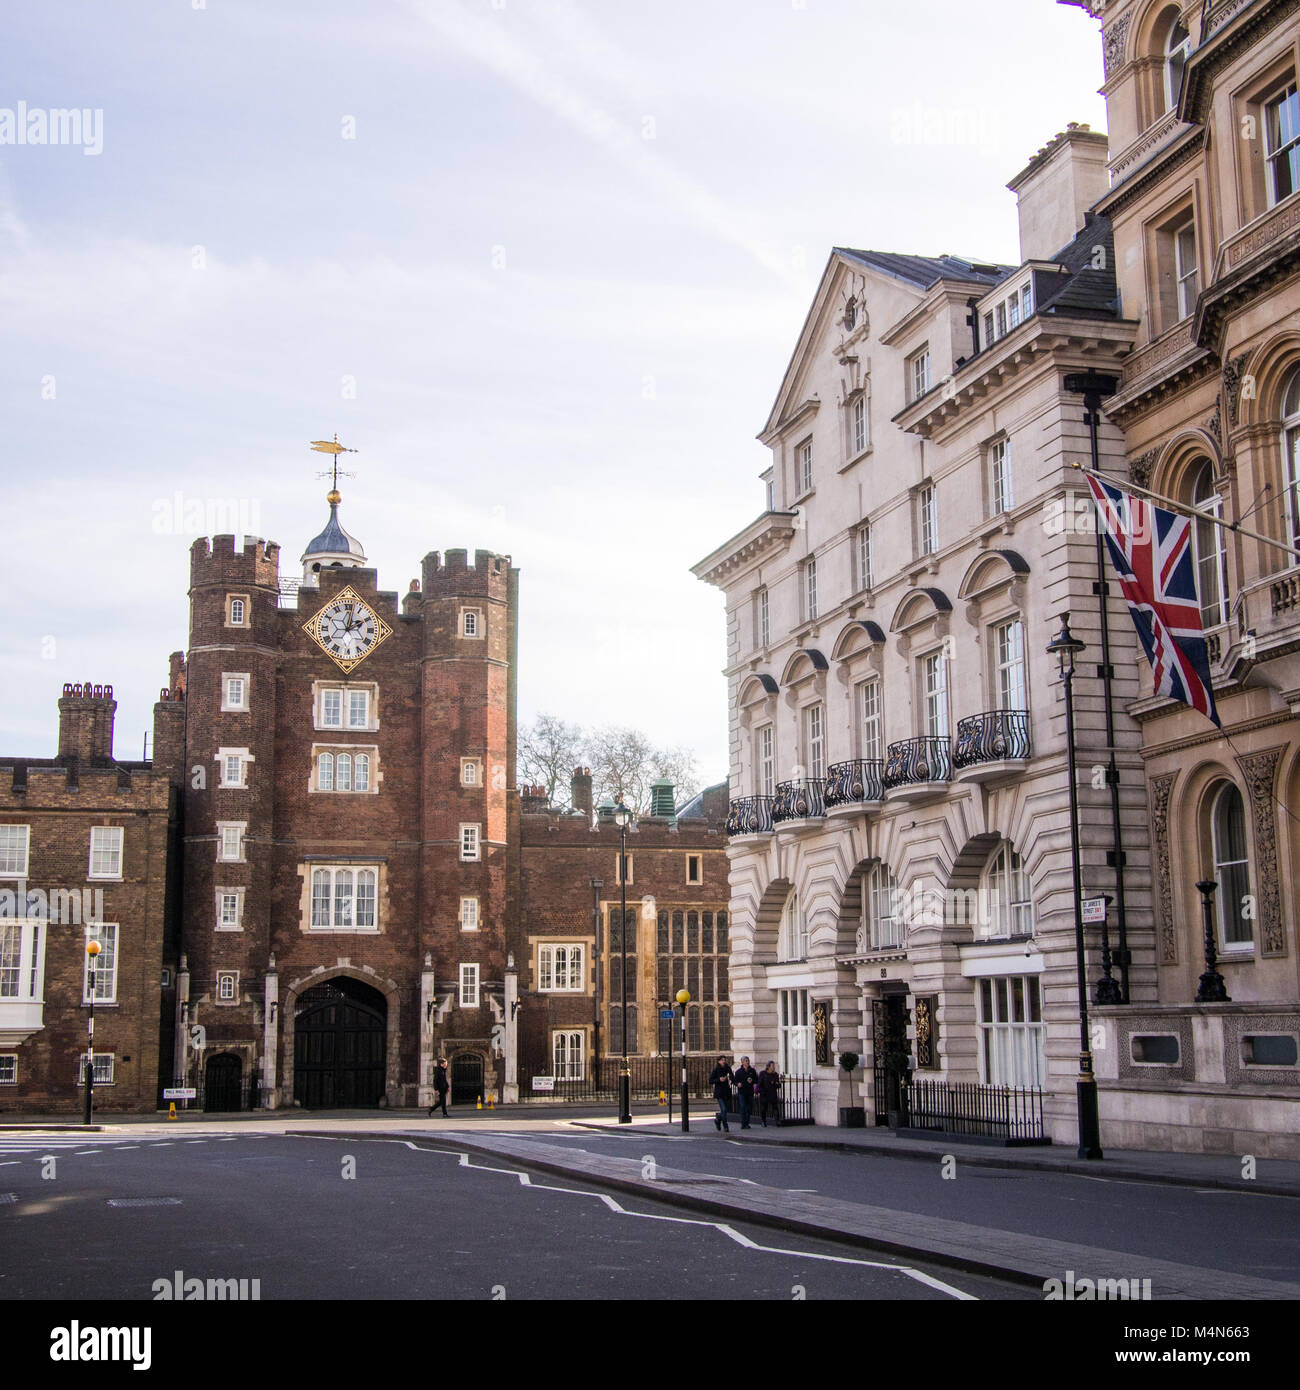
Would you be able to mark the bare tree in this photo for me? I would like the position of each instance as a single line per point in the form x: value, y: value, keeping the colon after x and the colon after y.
x: 549, y: 750
x: 624, y: 763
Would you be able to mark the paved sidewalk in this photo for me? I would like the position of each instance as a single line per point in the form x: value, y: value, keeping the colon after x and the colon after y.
x: 1029, y: 1260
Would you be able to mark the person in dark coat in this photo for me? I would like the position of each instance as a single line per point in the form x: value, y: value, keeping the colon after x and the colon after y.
x: 720, y: 1078
x: 441, y: 1085
x: 746, y: 1080
x: 769, y: 1092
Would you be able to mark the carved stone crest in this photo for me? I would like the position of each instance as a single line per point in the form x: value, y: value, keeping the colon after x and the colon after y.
x: 1113, y: 44
x: 1161, y: 787
x: 1141, y: 466
x: 1233, y: 370
x: 1259, y: 770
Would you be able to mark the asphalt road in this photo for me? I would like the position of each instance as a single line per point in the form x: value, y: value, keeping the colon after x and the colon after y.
x: 1210, y: 1228
x: 370, y: 1219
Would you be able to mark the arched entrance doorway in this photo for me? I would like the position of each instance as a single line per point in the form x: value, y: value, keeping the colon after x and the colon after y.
x: 222, y: 1082
x: 340, y: 1042
x: 466, y: 1078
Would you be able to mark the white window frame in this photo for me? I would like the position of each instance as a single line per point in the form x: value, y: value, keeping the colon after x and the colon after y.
x: 765, y: 762
x: 882, y: 909
x: 239, y: 704
x: 561, y: 967
x: 1001, y: 491
x: 1221, y: 863
x: 863, y: 555
x: 803, y: 455
x: 794, y: 939
x: 1176, y: 55
x: 471, y: 772
x: 19, y: 845
x: 355, y: 696
x: 471, y: 842
x: 22, y: 970
x: 1007, y: 895
x: 469, y: 913
x: 468, y: 987
x: 871, y: 725
x: 472, y: 618
x: 1210, y: 548
x: 814, y: 723
x: 569, y: 1054
x: 103, y: 1068
x: 1285, y: 148
x: 1291, y: 457
x: 231, y: 619
x: 1186, y: 268
x: 241, y: 757
x: 106, y: 963
x: 224, y: 830
x: 1011, y: 672
x: 927, y: 518
x: 9, y: 1068
x: 1011, y: 1050
x: 225, y: 977
x: 794, y: 1032
x: 114, y: 835
x: 347, y: 697
x: 810, y: 588
x: 764, y: 605
x: 934, y: 694
x: 351, y: 895
x: 222, y: 896
x: 918, y: 373
x: 859, y: 425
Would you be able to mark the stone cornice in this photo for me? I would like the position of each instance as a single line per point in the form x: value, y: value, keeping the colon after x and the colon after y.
x: 1222, y: 42
x: 1172, y: 157
x: 769, y: 534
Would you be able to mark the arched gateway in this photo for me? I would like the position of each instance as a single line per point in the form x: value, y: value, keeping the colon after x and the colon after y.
x: 340, y: 1043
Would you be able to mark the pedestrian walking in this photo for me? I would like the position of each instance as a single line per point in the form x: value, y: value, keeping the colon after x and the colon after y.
x: 769, y: 1093
x: 441, y: 1085
x: 720, y: 1078
x: 746, y: 1080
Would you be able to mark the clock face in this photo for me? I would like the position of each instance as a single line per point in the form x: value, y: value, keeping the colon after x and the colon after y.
x: 347, y: 628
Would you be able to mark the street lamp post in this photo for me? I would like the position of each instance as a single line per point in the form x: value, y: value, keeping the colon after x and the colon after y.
x: 92, y: 950
x: 622, y: 816
x: 1212, y: 989
x: 1065, y: 647
x: 684, y: 998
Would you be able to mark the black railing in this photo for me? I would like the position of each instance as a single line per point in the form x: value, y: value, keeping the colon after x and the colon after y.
x: 990, y: 737
x: 853, y: 782
x: 799, y: 799
x: 749, y: 815
x: 917, y: 760
x: 650, y: 1076
x: 1010, y: 1113
x: 793, y: 1102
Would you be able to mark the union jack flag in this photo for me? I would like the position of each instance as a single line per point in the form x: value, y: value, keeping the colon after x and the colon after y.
x: 1151, y: 549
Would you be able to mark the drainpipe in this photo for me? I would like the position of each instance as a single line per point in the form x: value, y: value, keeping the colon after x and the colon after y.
x: 973, y: 319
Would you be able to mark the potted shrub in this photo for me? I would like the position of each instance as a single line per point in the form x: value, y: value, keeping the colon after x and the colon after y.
x: 851, y: 1116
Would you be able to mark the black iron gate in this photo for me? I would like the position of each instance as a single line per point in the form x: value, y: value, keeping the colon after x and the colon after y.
x: 340, y: 1043
x: 889, y: 1054
x: 223, y: 1083
x: 466, y: 1078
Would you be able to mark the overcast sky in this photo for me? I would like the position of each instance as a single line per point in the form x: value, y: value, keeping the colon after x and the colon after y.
x: 542, y: 262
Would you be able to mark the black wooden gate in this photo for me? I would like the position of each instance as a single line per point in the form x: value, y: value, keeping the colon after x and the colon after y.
x: 466, y: 1078
x: 340, y: 1043
x: 889, y: 1054
x: 222, y: 1078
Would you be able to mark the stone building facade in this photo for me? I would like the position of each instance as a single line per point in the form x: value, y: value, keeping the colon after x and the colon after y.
x: 1205, y: 137
x: 348, y: 826
x: 88, y: 849
x: 571, y: 938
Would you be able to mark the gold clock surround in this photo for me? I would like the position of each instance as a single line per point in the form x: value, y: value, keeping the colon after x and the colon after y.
x: 315, y: 628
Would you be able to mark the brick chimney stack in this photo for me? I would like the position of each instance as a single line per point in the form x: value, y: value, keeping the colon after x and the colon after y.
x: 86, y: 723
x: 581, y: 794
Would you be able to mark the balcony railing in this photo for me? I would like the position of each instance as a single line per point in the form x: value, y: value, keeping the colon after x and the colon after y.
x: 991, y: 737
x: 1285, y: 594
x: 750, y: 815
x: 915, y: 761
x: 852, y: 783
x: 1012, y: 1114
x: 802, y: 798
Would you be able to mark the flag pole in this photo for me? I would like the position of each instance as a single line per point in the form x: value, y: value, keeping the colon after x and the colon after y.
x: 1182, y: 507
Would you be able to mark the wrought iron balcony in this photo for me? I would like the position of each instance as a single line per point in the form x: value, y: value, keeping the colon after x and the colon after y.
x: 750, y: 815
x: 854, y: 782
x: 917, y: 762
x: 991, y: 737
x: 799, y: 799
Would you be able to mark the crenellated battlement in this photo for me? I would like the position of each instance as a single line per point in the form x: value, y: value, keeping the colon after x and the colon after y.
x: 216, y: 561
x: 450, y: 572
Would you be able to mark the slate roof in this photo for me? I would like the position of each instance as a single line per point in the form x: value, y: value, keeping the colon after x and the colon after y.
x: 334, y: 540
x: 925, y: 271
x: 1091, y: 290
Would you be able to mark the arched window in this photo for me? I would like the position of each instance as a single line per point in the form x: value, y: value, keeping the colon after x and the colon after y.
x: 882, y: 909
x: 325, y: 772
x: 1178, y: 48
x: 1211, y: 550
x: 1007, y: 906
x: 1291, y: 457
x: 793, y: 943
x: 361, y: 772
x: 365, y: 897
x: 343, y: 898
x: 1231, y: 868
x: 343, y: 772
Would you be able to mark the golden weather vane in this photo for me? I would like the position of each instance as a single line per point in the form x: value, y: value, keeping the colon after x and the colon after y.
x: 327, y: 446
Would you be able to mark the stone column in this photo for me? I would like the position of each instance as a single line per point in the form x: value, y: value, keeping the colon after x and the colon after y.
x: 271, y: 1039
x: 428, y: 1006
x: 510, y: 1092
x: 181, y: 1041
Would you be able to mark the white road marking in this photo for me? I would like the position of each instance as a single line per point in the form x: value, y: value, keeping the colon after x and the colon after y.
x: 612, y: 1203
